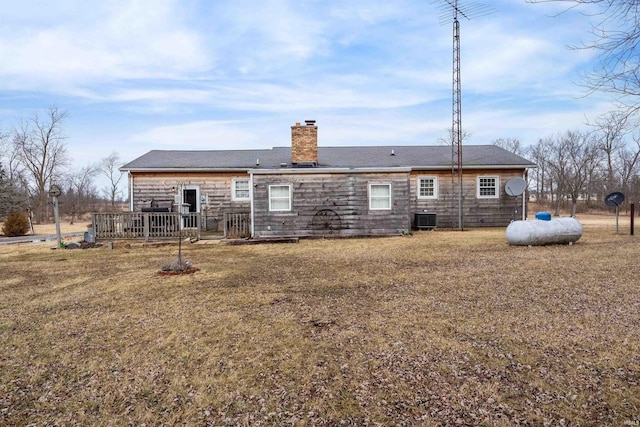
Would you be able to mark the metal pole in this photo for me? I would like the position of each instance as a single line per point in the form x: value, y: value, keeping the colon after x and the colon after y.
x: 633, y: 209
x: 457, y: 109
x: 473, y: 9
x: 180, y: 242
x: 56, y: 215
x: 180, y: 224
x: 617, y: 208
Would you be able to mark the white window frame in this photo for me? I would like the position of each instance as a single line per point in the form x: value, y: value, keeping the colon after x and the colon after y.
x: 496, y: 187
x: 234, y: 190
x: 435, y: 187
x: 288, y: 198
x: 389, y: 198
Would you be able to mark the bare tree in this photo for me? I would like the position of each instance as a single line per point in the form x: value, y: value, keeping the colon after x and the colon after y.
x: 40, y: 148
x: 510, y: 144
x: 574, y: 161
x: 609, y: 133
x: 4, y: 144
x: 12, y: 195
x: 81, y: 195
x: 621, y: 152
x: 539, y: 154
x: 108, y: 167
x: 448, y: 140
x: 616, y: 37
x: 629, y: 161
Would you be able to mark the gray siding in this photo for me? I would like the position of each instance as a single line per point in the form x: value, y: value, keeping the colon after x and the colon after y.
x: 216, y: 189
x: 331, y: 204
x: 334, y: 204
x: 477, y: 212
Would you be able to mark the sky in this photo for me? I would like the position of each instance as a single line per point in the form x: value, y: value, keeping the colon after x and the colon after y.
x: 138, y: 75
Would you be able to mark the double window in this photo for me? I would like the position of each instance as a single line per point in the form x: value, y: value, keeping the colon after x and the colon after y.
x: 240, y: 190
x: 379, y: 196
x: 488, y: 187
x: 280, y: 198
x: 427, y: 187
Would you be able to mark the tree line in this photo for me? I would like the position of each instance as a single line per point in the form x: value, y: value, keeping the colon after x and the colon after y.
x: 34, y: 156
x: 590, y: 164
x: 584, y: 165
x: 577, y: 165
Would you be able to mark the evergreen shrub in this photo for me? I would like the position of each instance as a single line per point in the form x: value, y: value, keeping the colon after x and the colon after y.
x: 16, y: 224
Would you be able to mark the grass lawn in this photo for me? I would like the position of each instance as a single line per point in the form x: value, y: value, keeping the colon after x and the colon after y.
x: 438, y: 328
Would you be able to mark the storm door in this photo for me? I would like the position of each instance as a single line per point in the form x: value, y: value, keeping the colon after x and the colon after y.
x: 190, y: 196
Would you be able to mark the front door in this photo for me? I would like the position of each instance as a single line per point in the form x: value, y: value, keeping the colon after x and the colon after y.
x: 190, y: 196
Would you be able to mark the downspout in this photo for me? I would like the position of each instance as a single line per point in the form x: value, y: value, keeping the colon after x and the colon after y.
x: 253, y: 231
x: 524, y: 203
x: 130, y: 191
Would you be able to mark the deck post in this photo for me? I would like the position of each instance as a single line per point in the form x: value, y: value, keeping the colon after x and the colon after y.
x: 146, y: 220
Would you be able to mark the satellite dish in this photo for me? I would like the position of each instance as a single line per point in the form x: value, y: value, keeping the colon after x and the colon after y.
x: 515, y: 186
x: 614, y: 199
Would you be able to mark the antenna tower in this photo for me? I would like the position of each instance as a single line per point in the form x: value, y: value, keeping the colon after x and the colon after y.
x: 450, y: 11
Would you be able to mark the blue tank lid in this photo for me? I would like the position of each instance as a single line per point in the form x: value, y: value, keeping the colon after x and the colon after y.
x: 543, y: 216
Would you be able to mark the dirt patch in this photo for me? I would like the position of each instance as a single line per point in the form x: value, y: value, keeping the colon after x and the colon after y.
x: 82, y: 245
x: 178, y: 273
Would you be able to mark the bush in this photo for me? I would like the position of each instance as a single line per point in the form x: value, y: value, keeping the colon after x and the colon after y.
x: 16, y: 224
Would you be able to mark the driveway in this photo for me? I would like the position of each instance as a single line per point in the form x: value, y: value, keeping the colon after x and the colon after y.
x: 37, y: 238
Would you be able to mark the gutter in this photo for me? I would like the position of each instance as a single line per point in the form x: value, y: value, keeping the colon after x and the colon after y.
x: 156, y: 170
x: 317, y: 170
x: 314, y: 170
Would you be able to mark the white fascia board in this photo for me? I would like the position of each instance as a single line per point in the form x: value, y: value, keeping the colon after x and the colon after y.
x: 291, y: 171
x: 309, y: 171
x: 134, y: 170
x: 474, y: 167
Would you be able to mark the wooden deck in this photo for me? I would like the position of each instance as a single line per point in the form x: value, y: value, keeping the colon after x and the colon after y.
x: 145, y: 225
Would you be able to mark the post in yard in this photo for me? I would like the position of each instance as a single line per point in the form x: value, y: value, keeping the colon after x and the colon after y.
x: 54, y: 192
x: 184, y: 213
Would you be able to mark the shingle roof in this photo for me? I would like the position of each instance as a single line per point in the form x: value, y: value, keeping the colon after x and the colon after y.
x: 416, y: 157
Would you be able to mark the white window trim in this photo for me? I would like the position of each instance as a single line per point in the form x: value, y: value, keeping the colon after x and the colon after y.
x: 233, y: 190
x: 435, y: 187
x: 290, y: 197
x: 497, y: 187
x: 388, y: 184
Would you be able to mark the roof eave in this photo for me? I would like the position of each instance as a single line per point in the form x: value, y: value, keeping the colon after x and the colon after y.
x: 302, y: 171
x: 499, y: 166
x: 292, y: 170
x: 473, y: 167
x: 157, y: 169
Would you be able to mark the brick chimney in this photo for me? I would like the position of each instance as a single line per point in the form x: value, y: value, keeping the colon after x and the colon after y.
x: 304, y: 143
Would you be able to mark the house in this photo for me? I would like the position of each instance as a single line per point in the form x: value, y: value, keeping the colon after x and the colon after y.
x: 311, y: 190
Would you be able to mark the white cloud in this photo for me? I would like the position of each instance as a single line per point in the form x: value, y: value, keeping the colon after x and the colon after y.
x: 237, y: 73
x: 206, y: 135
x: 105, y: 42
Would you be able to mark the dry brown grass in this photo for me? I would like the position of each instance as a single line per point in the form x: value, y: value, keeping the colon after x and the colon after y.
x: 439, y: 328
x: 65, y: 227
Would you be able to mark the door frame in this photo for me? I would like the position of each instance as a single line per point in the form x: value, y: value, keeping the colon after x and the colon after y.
x: 184, y: 189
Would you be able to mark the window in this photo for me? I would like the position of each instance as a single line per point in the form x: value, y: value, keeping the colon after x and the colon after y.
x: 380, y: 196
x: 487, y: 187
x: 240, y: 189
x: 279, y: 198
x: 427, y: 187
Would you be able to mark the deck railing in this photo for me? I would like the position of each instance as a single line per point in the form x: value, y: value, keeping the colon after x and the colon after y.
x: 145, y: 225
x: 237, y: 225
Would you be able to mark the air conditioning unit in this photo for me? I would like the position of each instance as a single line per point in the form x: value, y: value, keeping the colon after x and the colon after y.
x: 425, y: 220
